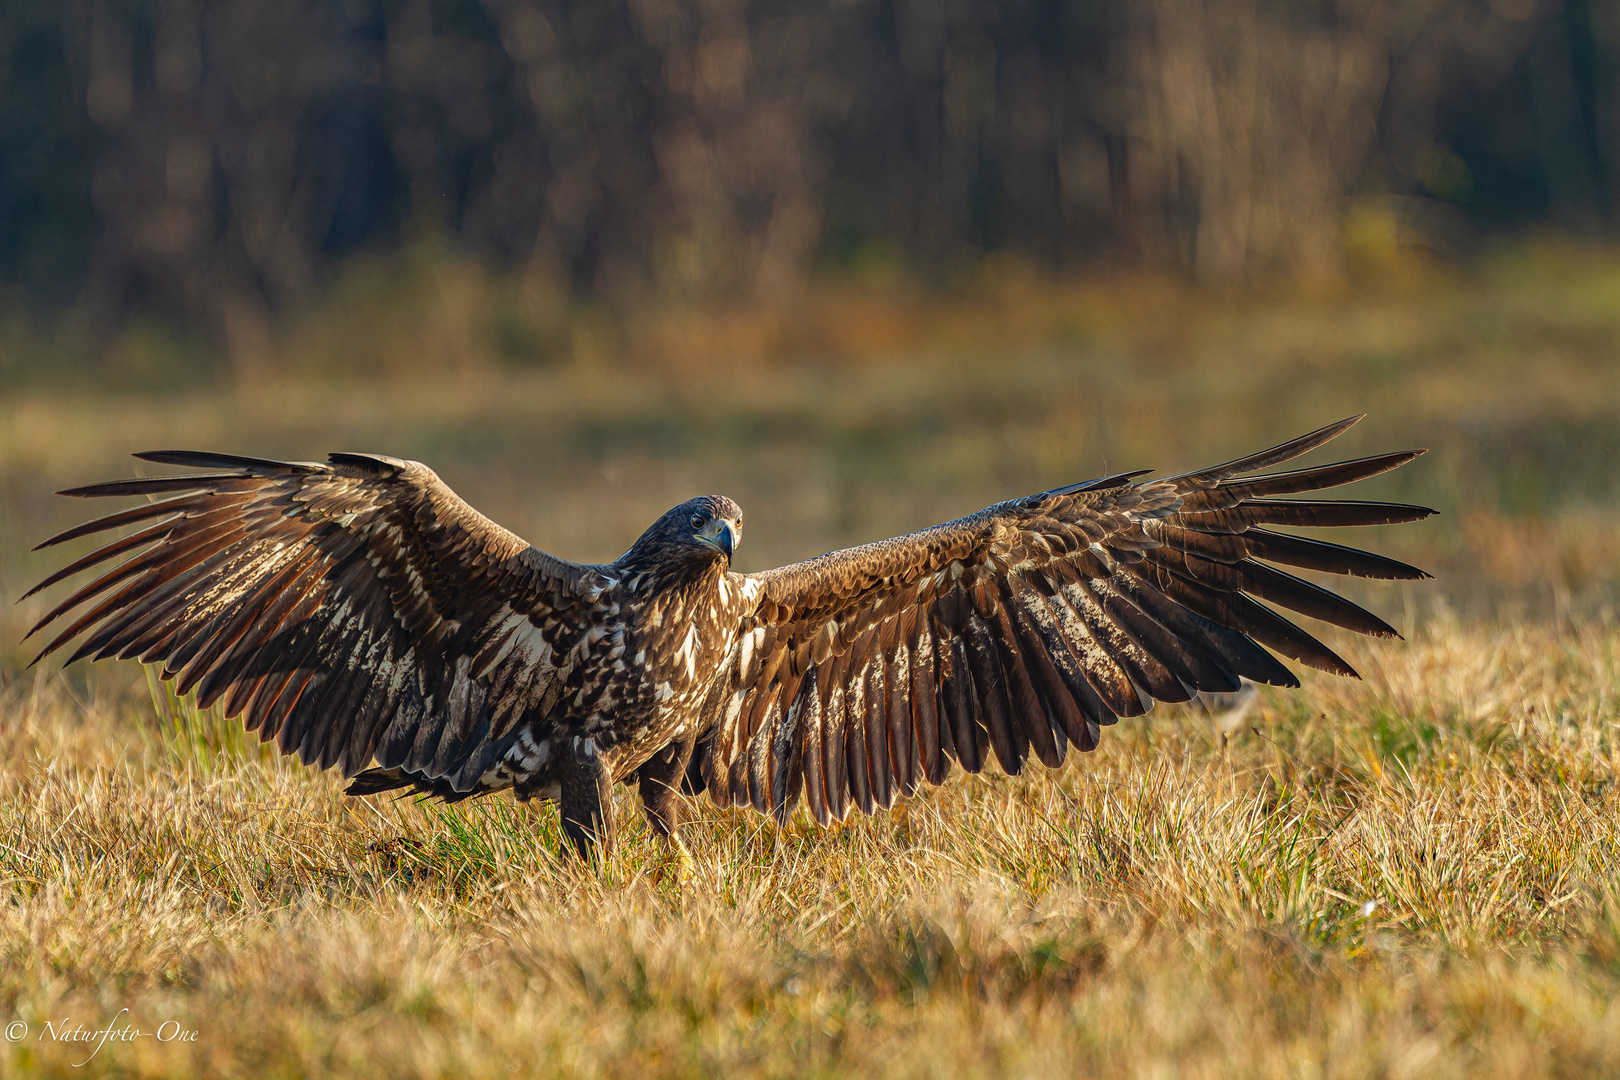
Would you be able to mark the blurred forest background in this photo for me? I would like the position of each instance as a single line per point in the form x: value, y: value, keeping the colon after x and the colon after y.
x: 210, y: 172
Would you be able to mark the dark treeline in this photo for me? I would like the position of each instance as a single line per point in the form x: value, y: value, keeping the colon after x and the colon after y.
x: 204, y: 160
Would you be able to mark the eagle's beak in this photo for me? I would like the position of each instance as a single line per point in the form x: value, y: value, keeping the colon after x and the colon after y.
x: 722, y: 534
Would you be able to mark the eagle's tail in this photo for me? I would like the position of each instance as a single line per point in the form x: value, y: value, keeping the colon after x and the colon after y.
x: 375, y: 781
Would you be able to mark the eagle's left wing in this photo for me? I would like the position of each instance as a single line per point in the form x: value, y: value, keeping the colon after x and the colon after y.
x: 1025, y: 627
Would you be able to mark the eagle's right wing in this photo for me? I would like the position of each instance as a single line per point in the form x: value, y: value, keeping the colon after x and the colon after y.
x: 352, y: 609
x: 1022, y: 629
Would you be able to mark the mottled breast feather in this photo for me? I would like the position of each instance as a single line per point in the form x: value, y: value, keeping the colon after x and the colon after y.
x: 1023, y: 629
x: 350, y: 610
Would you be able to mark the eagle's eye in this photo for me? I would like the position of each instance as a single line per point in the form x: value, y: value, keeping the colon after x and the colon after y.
x: 697, y: 521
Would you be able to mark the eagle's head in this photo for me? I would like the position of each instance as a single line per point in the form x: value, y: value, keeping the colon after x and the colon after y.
x: 701, y: 530
x: 713, y: 521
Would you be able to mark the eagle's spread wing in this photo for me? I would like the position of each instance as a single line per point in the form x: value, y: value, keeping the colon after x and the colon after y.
x: 1025, y: 627
x: 350, y: 609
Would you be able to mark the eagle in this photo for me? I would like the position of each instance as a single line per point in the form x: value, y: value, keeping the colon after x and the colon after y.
x: 366, y: 618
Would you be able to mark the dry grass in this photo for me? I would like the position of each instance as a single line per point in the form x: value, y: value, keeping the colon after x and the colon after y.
x: 1417, y: 874
x: 1411, y: 876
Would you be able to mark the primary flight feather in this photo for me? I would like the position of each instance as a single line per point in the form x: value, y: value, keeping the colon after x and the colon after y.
x: 363, y: 616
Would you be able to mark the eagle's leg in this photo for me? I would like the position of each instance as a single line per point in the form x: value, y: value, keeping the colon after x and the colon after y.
x: 586, y: 799
x: 660, y: 785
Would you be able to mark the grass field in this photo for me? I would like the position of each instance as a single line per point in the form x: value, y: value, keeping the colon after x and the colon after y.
x: 1412, y: 875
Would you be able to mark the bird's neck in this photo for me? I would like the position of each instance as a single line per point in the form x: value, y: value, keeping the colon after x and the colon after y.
x: 646, y: 575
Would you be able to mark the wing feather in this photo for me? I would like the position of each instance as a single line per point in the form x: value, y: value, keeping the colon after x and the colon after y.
x: 933, y: 734
x: 832, y: 742
x: 144, y: 512
x: 1023, y: 695
x: 969, y: 726
x: 903, y: 751
x: 811, y: 744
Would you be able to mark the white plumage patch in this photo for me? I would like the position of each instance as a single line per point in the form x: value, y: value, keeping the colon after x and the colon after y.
x: 734, y: 709
x: 750, y: 641
x: 687, y: 653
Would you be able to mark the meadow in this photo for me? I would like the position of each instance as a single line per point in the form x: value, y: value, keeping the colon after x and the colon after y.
x: 1416, y: 874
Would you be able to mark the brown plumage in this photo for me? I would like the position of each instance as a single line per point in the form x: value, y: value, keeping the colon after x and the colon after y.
x: 358, y: 612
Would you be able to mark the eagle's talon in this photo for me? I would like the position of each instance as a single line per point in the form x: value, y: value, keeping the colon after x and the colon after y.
x: 678, y: 860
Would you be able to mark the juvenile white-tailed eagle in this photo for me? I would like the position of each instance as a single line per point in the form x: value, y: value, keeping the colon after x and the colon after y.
x: 359, y: 612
